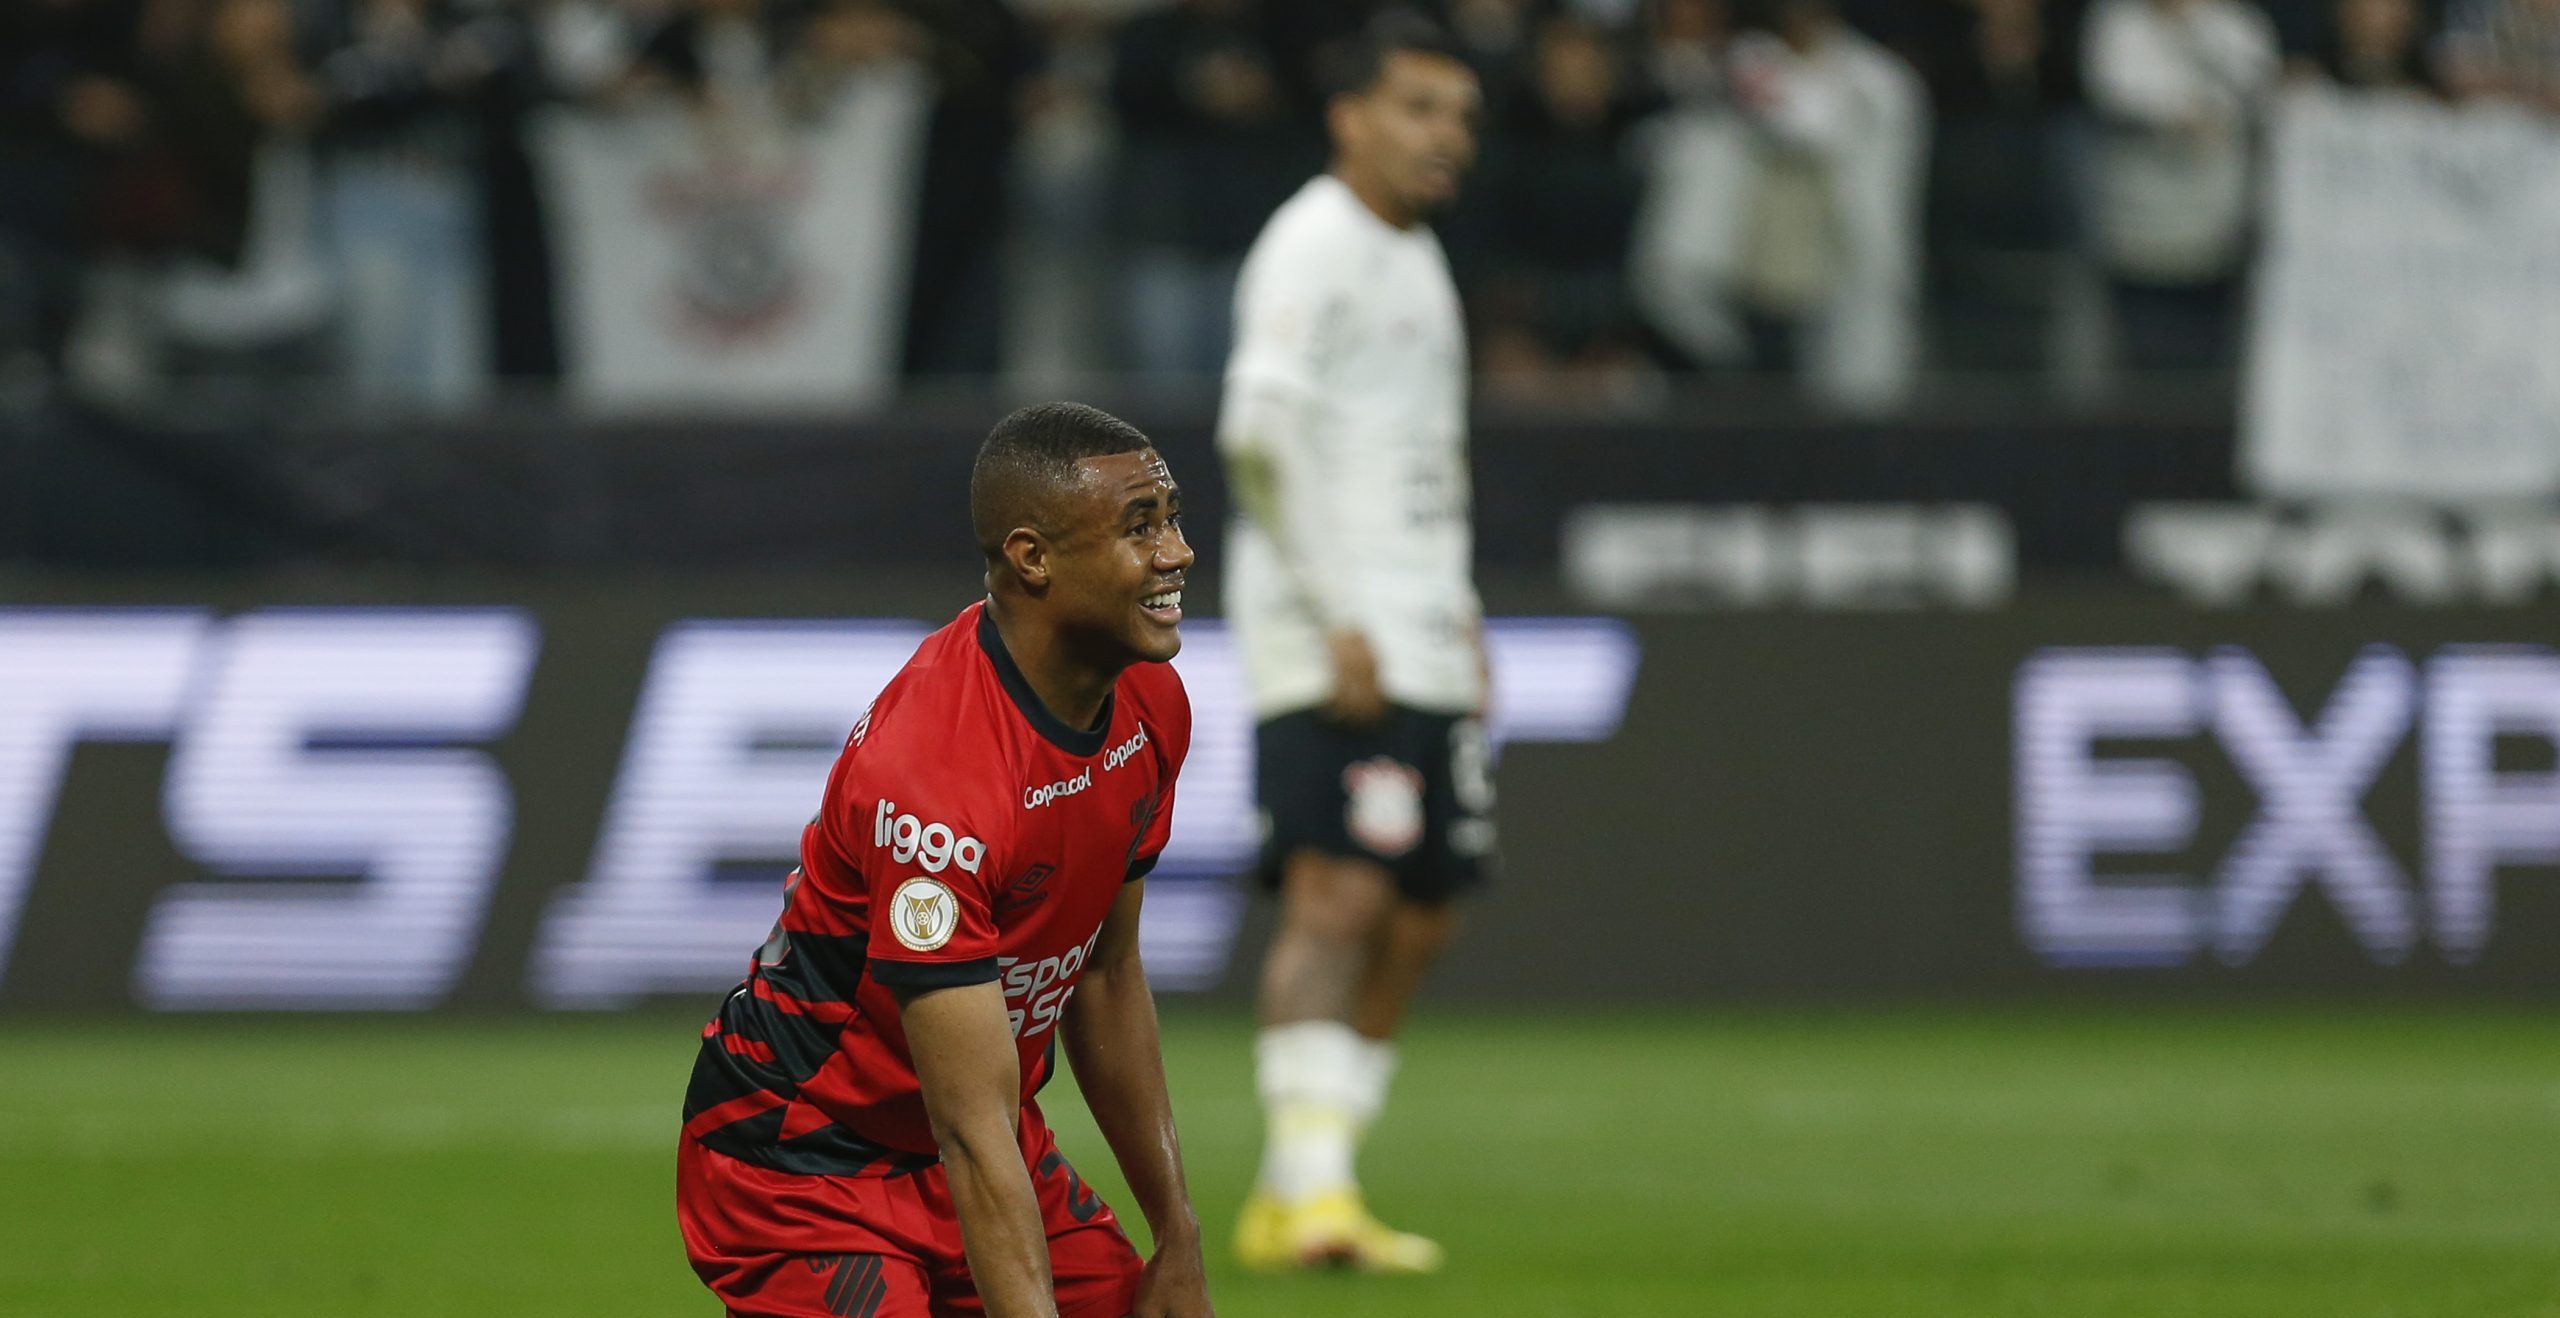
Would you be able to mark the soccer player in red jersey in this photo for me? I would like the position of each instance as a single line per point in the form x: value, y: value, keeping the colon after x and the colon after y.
x: 861, y: 1138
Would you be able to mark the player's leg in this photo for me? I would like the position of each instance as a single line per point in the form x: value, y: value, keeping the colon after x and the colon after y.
x: 1333, y: 897
x: 1415, y: 934
x: 774, y: 1245
x: 1093, y: 1269
x: 1453, y: 859
x: 1333, y: 913
x: 1410, y: 940
x: 1333, y: 910
x: 1348, y: 817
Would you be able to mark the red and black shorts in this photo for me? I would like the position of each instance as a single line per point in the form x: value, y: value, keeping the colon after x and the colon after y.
x: 781, y: 1245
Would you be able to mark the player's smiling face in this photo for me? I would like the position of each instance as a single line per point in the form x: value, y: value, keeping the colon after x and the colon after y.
x: 1414, y: 130
x: 1118, y: 575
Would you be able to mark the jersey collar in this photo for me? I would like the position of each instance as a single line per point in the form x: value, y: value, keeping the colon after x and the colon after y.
x: 1074, y: 741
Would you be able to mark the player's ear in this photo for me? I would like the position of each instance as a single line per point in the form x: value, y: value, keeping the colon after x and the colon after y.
x: 1027, y: 557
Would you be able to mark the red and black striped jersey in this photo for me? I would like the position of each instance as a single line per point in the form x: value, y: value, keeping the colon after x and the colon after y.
x: 966, y: 836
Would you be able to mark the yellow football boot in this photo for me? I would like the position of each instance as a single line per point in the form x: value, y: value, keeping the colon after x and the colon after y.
x: 1377, y: 1247
x: 1332, y: 1230
x: 1259, y: 1243
x: 1323, y: 1232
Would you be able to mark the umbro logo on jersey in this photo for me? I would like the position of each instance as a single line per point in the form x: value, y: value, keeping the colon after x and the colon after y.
x: 1029, y: 889
x: 933, y: 846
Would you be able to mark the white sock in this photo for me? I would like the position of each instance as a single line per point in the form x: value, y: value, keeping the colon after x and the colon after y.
x: 1308, y: 1073
x: 1373, y: 1068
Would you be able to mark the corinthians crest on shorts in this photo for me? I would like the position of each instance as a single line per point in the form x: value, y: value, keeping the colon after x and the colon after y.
x: 1384, y: 810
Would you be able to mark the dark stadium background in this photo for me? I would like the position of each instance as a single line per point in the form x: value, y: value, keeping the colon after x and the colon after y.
x: 2058, y: 816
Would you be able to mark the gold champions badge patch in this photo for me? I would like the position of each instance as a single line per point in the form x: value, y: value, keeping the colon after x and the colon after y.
x: 923, y: 914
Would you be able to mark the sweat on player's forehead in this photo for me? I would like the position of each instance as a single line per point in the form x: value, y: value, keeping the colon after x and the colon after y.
x: 1118, y: 476
x: 1106, y: 488
x: 1152, y: 479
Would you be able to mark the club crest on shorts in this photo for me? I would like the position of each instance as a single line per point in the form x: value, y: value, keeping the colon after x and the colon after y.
x: 923, y: 914
x: 1384, y: 814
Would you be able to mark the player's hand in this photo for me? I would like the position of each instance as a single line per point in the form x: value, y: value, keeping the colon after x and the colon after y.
x: 1175, y: 1283
x: 1358, y: 701
x: 1484, y: 677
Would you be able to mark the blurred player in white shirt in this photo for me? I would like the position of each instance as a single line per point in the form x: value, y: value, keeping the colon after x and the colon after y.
x: 1348, y: 584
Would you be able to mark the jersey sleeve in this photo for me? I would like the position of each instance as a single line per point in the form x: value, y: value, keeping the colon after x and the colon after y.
x: 1296, y: 320
x: 1149, y: 847
x: 930, y: 874
x: 1293, y: 318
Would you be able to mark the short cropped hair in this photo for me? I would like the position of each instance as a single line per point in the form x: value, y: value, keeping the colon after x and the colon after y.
x: 1030, y: 458
x: 1392, y: 32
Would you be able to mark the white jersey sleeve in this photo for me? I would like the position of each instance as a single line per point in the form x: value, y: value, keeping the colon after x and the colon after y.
x: 1292, y: 318
x: 1292, y: 314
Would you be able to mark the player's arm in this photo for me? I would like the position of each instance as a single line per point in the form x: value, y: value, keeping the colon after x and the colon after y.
x: 1276, y: 475
x: 1291, y: 325
x: 1268, y: 434
x: 1118, y: 1058
x: 962, y: 1044
x: 1484, y: 667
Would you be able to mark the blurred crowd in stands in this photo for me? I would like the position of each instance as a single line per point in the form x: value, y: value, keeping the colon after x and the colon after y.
x: 1848, y: 191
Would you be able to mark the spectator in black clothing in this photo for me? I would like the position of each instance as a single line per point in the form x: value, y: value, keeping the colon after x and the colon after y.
x: 247, y: 293
x: 143, y: 136
x: 407, y: 84
x: 236, y: 84
x: 980, y: 57
x: 1496, y: 37
x: 1696, y: 154
x: 1213, y: 139
x: 1558, y: 202
x: 73, y: 120
x: 1310, y: 43
x: 2002, y: 75
x: 2301, y: 25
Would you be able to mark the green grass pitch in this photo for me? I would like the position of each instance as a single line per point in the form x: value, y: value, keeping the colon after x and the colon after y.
x: 2081, y: 1162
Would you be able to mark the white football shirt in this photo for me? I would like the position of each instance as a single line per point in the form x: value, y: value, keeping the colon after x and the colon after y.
x: 1350, y: 373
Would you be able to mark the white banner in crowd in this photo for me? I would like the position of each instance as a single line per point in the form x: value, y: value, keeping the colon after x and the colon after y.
x: 2407, y: 335
x: 707, y: 258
